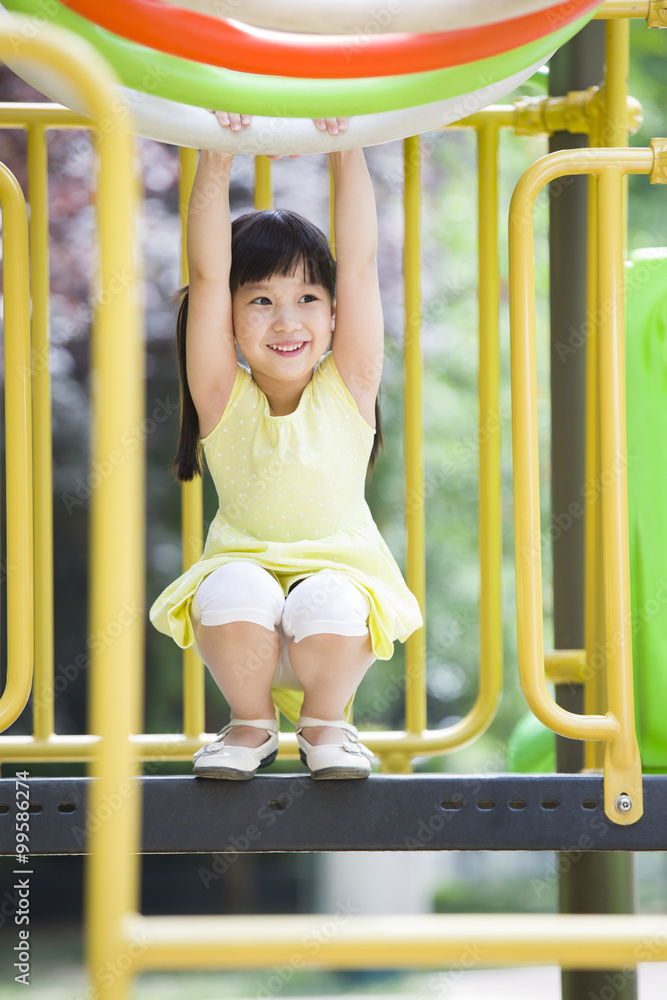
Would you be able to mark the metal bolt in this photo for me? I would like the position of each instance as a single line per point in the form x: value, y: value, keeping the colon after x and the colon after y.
x: 623, y: 803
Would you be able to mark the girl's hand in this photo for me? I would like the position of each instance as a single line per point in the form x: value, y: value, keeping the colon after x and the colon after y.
x: 236, y: 122
x: 229, y: 120
x: 331, y: 125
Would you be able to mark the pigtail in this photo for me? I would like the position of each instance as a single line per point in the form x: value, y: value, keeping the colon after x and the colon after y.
x: 377, y: 440
x: 187, y: 463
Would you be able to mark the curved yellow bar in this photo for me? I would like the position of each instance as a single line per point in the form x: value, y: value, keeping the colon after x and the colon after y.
x: 18, y: 570
x: 617, y: 726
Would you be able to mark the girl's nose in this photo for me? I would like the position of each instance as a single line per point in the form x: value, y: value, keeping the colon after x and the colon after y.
x: 286, y: 320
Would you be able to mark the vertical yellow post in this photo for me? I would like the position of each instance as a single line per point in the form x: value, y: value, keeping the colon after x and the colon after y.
x: 415, y: 702
x: 595, y: 694
x: 192, y: 517
x: 489, y: 516
x: 263, y: 194
x: 609, y: 129
x: 617, y: 67
x: 117, y: 542
x: 332, y: 231
x: 42, y: 441
x: 622, y: 755
x: 18, y: 448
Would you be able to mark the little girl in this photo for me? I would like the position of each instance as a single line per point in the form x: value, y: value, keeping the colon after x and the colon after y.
x: 296, y: 593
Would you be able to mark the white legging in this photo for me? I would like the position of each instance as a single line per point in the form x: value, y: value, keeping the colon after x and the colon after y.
x: 325, y: 602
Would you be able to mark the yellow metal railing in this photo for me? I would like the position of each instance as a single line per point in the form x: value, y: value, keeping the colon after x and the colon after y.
x: 395, y: 749
x: 623, y: 786
x: 397, y: 942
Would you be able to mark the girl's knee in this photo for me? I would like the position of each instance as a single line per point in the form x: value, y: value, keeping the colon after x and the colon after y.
x: 239, y: 591
x: 326, y: 602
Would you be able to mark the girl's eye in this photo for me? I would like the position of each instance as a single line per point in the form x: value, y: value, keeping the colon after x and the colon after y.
x: 308, y: 298
x: 261, y: 300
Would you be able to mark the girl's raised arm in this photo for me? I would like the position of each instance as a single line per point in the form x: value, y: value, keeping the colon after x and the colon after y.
x: 359, y: 330
x: 210, y: 347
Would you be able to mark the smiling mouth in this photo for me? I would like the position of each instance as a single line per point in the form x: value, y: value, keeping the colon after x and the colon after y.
x: 293, y: 348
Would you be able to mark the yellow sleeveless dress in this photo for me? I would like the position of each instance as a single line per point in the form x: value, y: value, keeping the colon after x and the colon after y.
x: 291, y: 499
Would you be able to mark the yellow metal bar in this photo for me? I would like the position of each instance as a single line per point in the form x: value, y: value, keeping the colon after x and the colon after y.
x: 617, y: 65
x: 42, y: 699
x: 263, y: 193
x: 595, y: 701
x: 490, y: 503
x: 393, y: 747
x: 332, y: 229
x: 192, y: 500
x: 655, y: 11
x: 18, y: 568
x: 622, y: 9
x: 345, y: 941
x: 24, y: 114
x: 622, y: 763
x: 615, y: 127
x: 117, y: 513
x: 617, y: 726
x: 415, y: 693
x: 566, y: 666
x: 609, y: 127
x: 117, y: 510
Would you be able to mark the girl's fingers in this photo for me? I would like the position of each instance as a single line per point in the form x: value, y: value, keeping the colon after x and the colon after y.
x: 331, y: 125
x: 230, y: 120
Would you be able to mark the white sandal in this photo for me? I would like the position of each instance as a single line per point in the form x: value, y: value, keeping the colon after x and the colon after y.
x: 215, y: 760
x: 347, y: 759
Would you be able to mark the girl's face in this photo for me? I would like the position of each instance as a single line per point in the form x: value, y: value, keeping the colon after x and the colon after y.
x: 282, y: 325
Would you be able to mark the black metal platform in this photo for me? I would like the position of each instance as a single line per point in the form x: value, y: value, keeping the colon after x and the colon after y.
x: 384, y: 813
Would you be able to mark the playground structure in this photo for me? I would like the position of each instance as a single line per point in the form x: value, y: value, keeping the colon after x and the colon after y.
x: 114, y: 925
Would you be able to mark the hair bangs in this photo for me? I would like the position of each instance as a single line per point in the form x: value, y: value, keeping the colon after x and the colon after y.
x: 279, y: 242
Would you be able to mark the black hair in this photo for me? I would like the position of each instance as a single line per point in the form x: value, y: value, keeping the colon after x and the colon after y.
x: 264, y: 244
